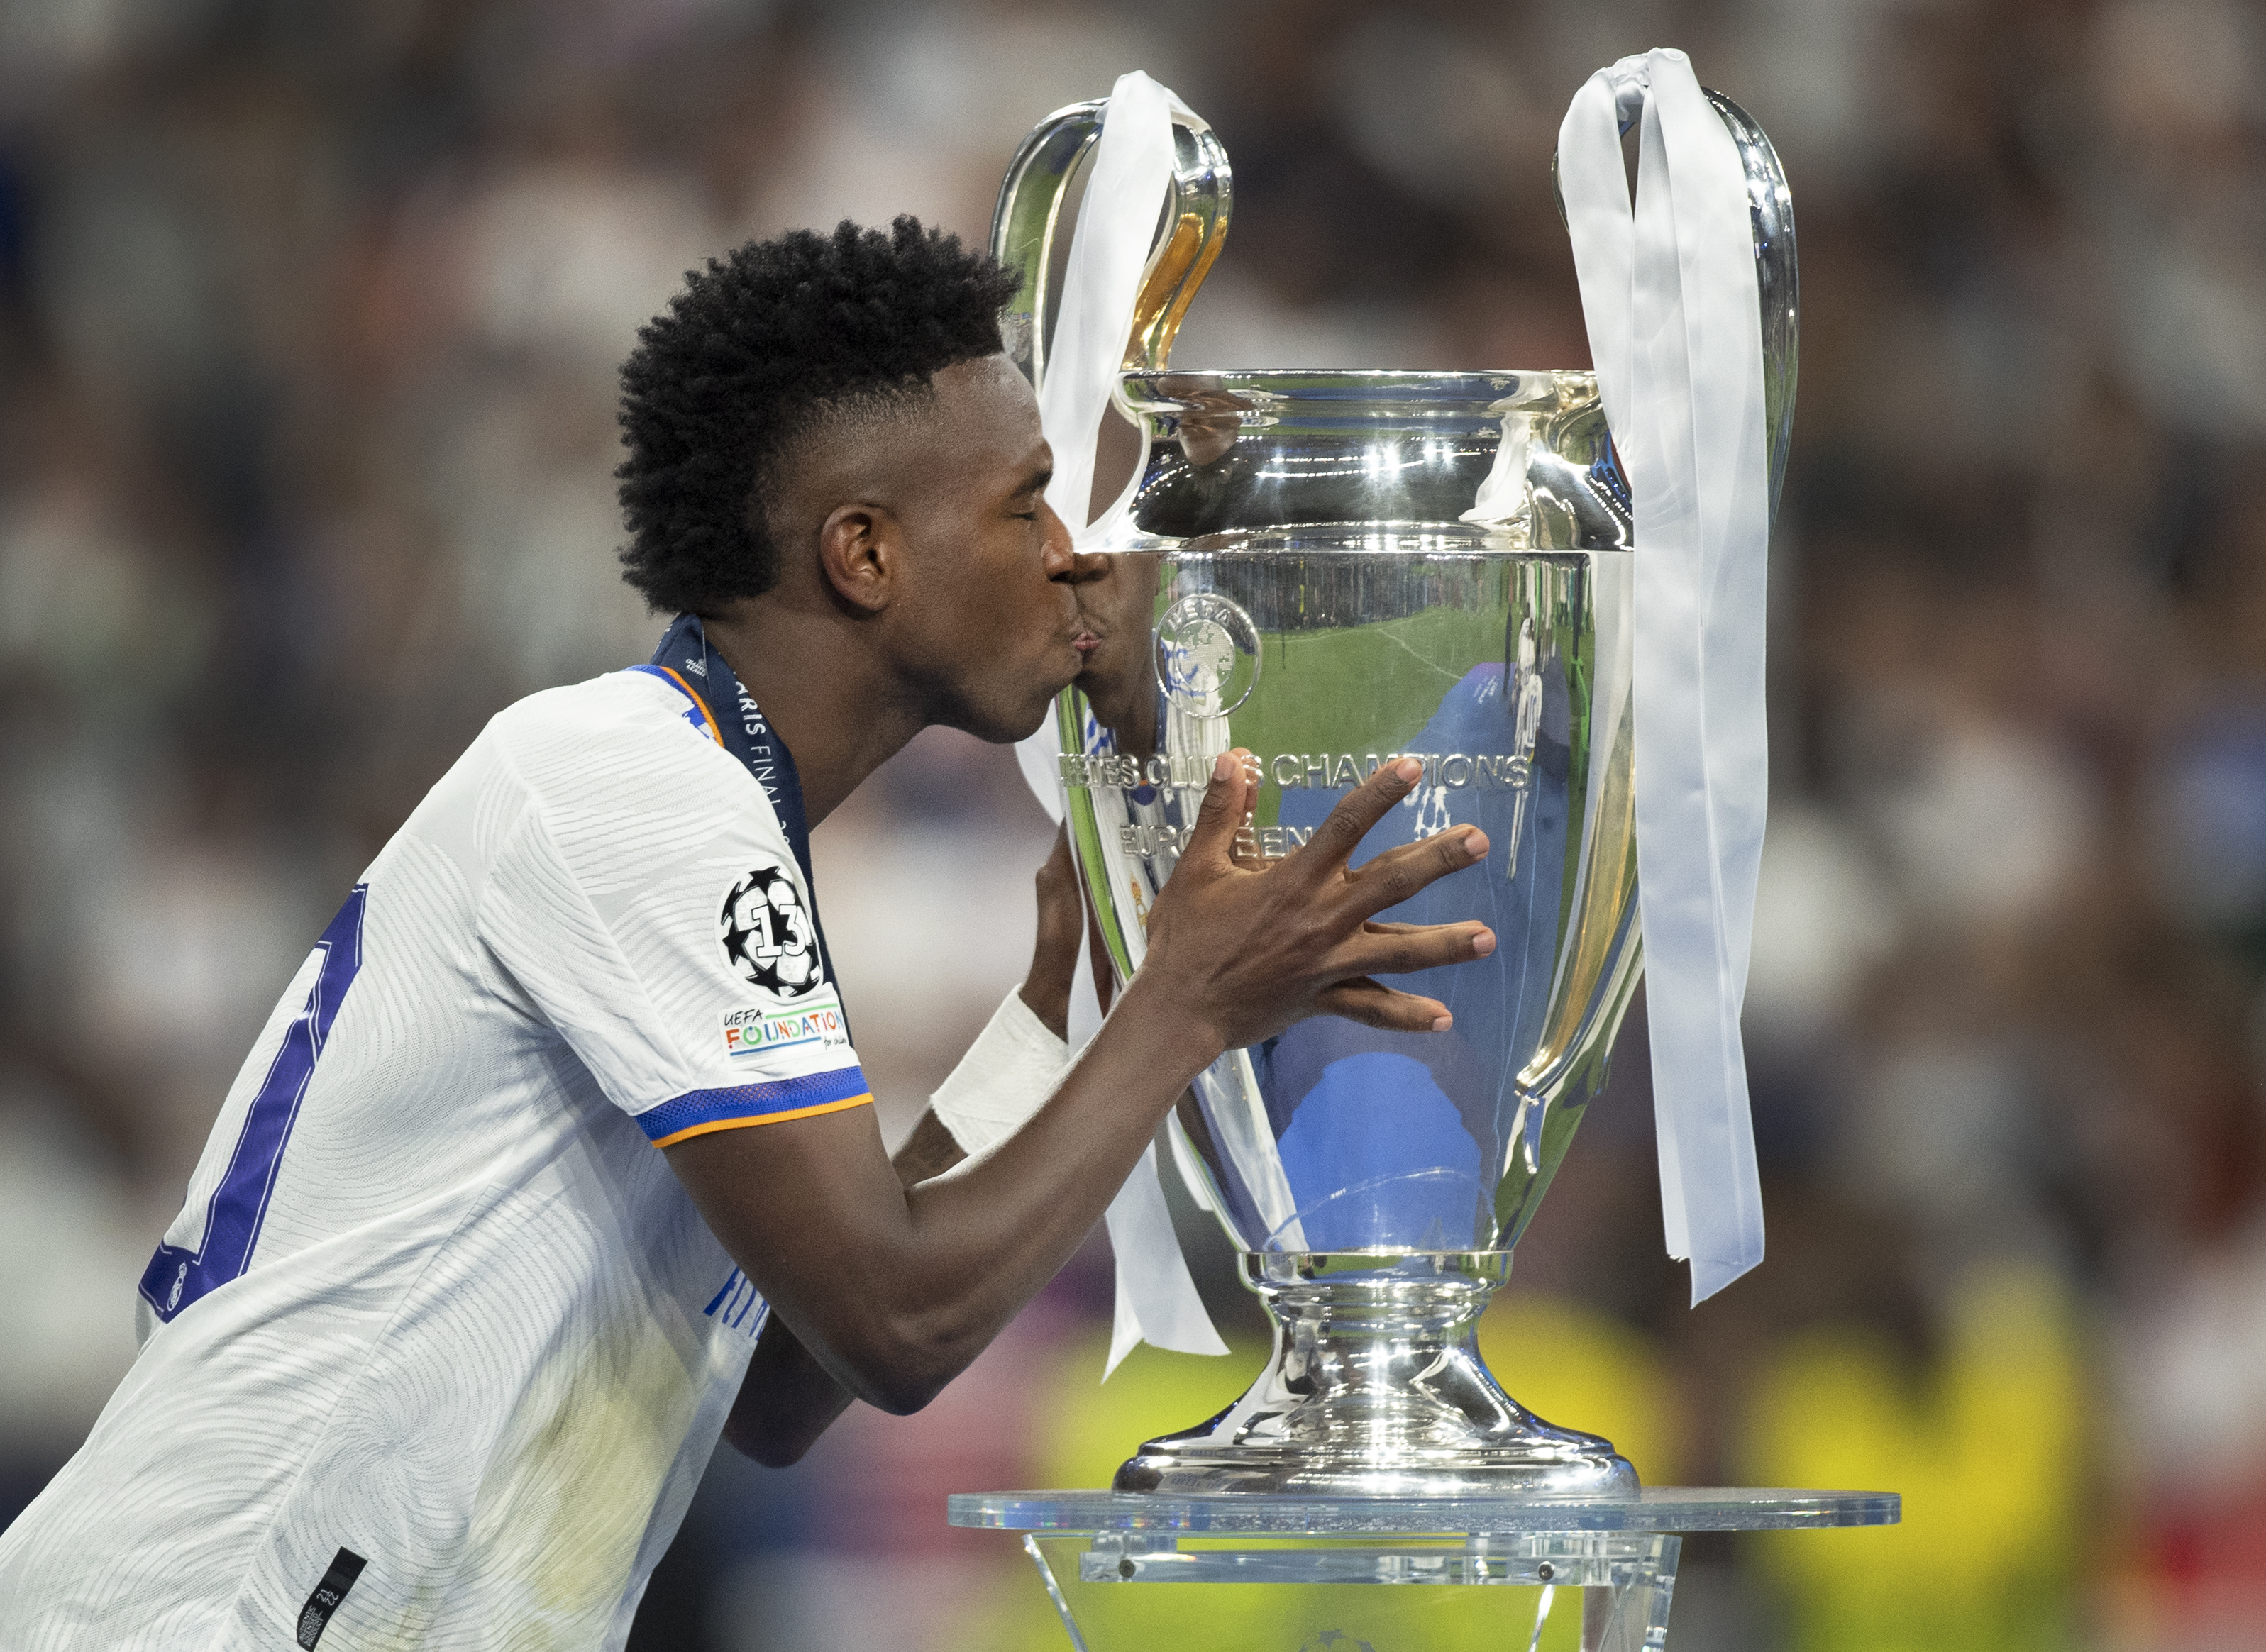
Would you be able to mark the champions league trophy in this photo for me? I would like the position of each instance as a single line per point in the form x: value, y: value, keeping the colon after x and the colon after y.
x: 1331, y: 569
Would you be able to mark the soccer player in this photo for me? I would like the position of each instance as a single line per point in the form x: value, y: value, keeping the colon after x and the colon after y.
x: 562, y: 1113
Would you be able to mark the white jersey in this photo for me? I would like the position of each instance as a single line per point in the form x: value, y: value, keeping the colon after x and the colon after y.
x: 437, y: 1349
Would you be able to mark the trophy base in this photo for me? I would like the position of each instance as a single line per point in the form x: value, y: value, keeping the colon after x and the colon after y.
x: 1377, y: 1389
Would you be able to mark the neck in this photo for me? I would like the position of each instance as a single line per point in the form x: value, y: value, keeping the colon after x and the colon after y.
x: 840, y: 713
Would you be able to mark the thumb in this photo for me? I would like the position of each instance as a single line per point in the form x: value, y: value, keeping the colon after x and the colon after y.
x: 1212, y: 841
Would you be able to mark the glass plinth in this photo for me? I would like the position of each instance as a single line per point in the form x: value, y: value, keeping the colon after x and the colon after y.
x: 1484, y: 1558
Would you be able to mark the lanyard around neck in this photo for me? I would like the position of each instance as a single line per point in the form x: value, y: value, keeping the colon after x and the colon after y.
x: 730, y: 715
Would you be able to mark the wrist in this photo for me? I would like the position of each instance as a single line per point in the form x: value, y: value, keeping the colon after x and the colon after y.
x: 1048, y: 999
x: 1005, y: 1077
x: 1167, y: 1027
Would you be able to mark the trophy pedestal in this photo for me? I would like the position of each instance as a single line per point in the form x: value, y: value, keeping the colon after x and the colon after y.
x: 1490, y: 1560
x: 1375, y: 1389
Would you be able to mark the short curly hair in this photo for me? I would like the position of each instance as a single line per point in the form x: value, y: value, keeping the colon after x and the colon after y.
x: 772, y: 332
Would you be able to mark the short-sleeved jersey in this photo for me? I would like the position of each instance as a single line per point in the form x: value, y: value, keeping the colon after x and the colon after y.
x: 438, y: 1348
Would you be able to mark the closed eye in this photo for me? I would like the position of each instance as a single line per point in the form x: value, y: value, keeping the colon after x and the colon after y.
x: 1034, y: 489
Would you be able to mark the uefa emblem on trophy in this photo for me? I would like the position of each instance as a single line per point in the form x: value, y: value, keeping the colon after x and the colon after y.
x: 1330, y: 569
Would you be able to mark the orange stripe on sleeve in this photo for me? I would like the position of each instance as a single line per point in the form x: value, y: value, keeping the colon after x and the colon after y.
x: 692, y: 1130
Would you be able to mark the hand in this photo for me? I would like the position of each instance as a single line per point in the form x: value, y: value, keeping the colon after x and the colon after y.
x: 1054, y: 956
x: 1244, y: 952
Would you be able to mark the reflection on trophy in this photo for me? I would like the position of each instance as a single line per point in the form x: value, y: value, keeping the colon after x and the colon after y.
x: 1330, y: 569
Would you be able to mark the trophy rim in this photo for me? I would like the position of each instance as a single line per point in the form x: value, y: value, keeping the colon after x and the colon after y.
x: 1180, y: 390
x: 1366, y: 374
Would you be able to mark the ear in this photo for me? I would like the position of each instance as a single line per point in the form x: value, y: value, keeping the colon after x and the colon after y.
x: 862, y: 550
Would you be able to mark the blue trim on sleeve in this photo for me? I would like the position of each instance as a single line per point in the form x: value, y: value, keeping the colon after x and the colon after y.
x: 752, y: 1101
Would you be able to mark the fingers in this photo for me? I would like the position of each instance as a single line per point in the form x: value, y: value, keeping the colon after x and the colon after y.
x: 1394, y: 876
x: 1213, y: 839
x: 1399, y: 948
x: 1336, y: 838
x: 1373, y: 1004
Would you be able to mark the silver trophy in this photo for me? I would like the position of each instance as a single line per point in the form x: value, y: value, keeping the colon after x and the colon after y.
x: 1330, y: 569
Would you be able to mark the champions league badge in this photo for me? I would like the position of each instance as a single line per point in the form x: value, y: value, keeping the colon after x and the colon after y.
x: 768, y: 934
x: 1207, y: 655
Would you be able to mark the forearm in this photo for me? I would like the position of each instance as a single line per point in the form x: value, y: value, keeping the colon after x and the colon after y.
x: 975, y: 1246
x: 915, y: 1283
x: 1011, y: 1220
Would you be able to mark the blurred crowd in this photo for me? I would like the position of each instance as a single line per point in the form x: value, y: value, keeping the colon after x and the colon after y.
x: 309, y: 315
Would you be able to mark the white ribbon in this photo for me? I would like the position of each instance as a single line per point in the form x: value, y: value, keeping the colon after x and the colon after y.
x: 1157, y: 1299
x: 1669, y: 297
x: 1110, y: 248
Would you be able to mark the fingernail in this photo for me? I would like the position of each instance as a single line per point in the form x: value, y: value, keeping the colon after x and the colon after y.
x: 1475, y: 844
x: 1407, y: 770
x: 1223, y: 765
x: 1483, y: 943
x: 1442, y: 1023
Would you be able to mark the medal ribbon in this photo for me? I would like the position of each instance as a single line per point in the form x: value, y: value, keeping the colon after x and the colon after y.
x: 730, y: 715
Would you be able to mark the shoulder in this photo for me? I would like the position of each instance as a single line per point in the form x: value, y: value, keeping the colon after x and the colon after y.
x: 624, y: 730
x: 630, y: 708
x: 586, y: 748
x: 615, y: 762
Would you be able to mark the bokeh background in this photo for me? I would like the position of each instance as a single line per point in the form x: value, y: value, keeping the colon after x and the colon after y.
x: 309, y: 318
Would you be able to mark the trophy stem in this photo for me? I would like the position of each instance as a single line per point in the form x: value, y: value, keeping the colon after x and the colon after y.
x: 1376, y: 1388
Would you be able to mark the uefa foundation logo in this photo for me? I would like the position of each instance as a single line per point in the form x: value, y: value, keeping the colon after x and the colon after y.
x: 768, y: 934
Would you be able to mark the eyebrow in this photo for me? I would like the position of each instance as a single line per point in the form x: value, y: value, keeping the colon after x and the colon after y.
x: 1035, y: 482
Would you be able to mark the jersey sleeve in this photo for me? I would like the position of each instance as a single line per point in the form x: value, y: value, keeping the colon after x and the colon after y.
x: 647, y: 900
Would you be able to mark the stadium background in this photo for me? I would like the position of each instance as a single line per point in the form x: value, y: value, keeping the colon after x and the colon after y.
x: 308, y: 315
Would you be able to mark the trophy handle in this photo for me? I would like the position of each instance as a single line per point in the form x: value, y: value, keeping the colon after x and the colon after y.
x: 1029, y: 211
x: 1770, y: 206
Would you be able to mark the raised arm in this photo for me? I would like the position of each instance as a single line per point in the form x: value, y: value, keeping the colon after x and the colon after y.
x: 787, y: 1398
x: 893, y: 1289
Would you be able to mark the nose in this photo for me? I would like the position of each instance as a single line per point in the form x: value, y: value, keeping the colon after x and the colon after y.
x: 1058, y: 554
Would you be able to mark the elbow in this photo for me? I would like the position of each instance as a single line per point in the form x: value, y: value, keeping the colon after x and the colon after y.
x: 904, y: 1378
x: 901, y: 1394
x: 907, y: 1361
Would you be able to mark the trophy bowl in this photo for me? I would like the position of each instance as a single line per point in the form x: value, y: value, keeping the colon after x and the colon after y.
x: 1329, y: 569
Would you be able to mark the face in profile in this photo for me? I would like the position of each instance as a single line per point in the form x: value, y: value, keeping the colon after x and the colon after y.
x: 987, y: 622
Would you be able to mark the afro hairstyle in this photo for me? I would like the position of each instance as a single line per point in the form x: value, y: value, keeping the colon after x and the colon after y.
x: 760, y: 339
